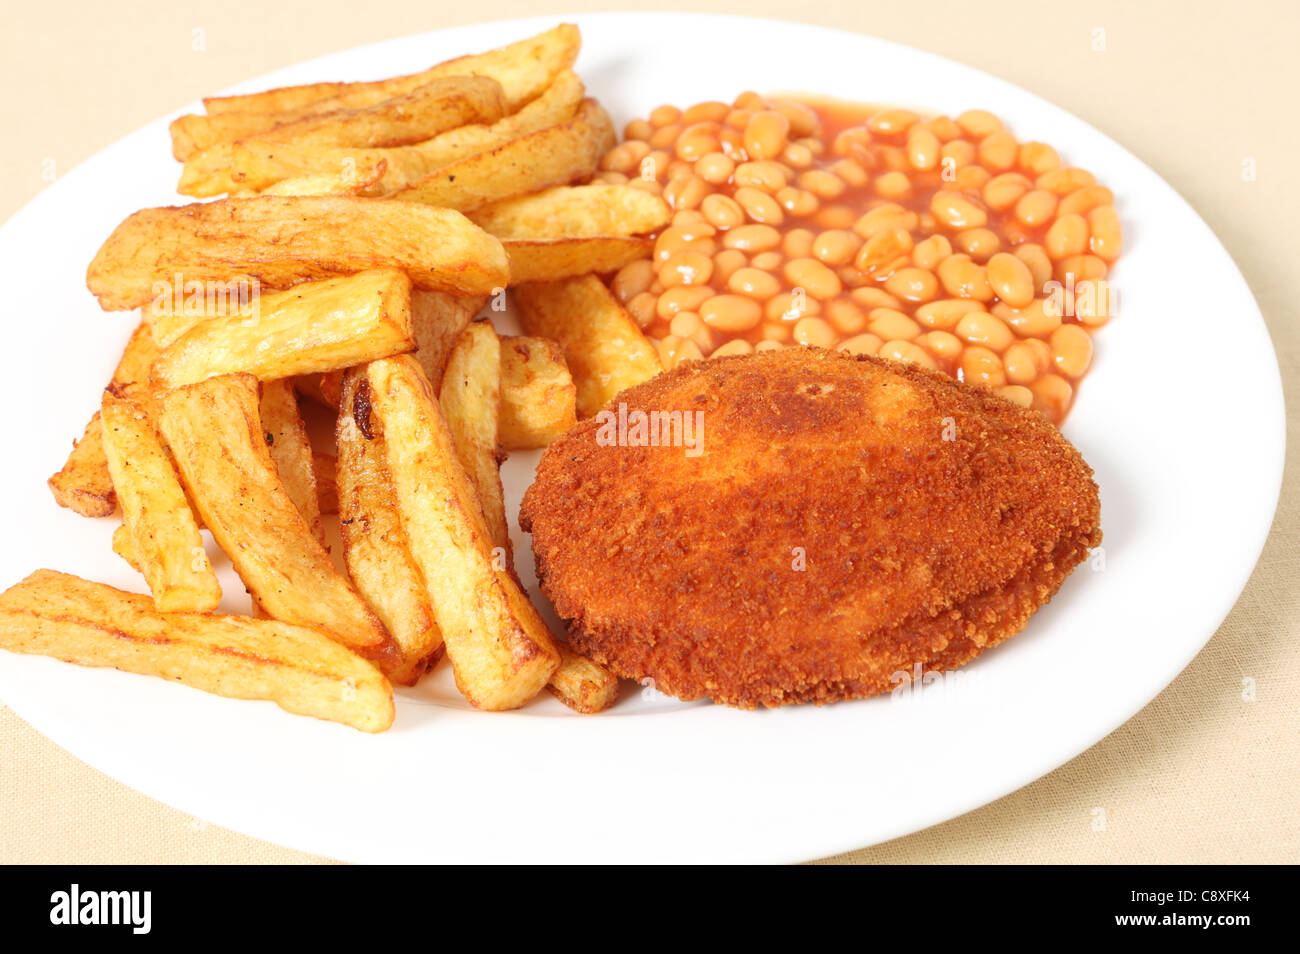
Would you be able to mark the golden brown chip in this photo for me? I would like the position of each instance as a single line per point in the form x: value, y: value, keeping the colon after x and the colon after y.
x: 537, y: 393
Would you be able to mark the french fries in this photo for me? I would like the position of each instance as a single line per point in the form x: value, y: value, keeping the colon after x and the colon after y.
x: 523, y: 69
x: 349, y: 180
x: 215, y: 433
x: 548, y: 157
x: 327, y: 492
x: 581, y: 684
x: 286, y: 439
x: 374, y: 543
x: 165, y: 539
x: 603, y: 346
x: 296, y: 667
x: 283, y: 240
x: 537, y: 393
x: 470, y: 399
x: 258, y: 166
x: 84, y: 484
x: 500, y: 649
x: 312, y: 328
x: 441, y: 104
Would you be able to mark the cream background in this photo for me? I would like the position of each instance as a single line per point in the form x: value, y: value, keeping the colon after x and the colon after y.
x: 1193, y: 88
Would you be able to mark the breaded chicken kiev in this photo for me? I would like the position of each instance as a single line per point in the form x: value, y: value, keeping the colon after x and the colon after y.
x: 803, y: 525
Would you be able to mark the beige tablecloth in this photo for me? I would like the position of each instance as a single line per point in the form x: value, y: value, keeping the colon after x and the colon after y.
x: 1193, y: 88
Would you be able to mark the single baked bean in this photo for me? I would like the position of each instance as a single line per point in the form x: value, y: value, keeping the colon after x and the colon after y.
x: 1052, y: 395
x: 1032, y: 321
x: 956, y: 155
x: 957, y: 211
x: 892, y: 122
x: 752, y: 238
x: 766, y: 135
x: 836, y: 247
x: 1016, y: 394
x: 850, y: 172
x: 814, y: 277
x: 767, y: 261
x: 642, y: 307
x: 1105, y: 235
x: 998, y: 151
x: 945, y: 127
x: 886, y: 217
x: 814, y: 332
x: 767, y: 345
x: 883, y: 249
x: 845, y: 316
x: 971, y: 179
x: 941, y: 344
x: 753, y: 282
x: 790, y: 306
x: 836, y: 217
x: 1004, y: 191
x: 686, y: 192
x: 821, y: 183
x: 715, y: 168
x: 633, y: 279
x: 930, y: 252
x: 696, y: 141
x: 686, y: 268
x: 797, y: 155
x: 685, y: 324
x: 1011, y: 280
x: 638, y: 129
x: 1036, y: 207
x: 803, y: 121
x: 1038, y: 157
x: 767, y: 176
x: 681, y: 298
x: 912, y: 284
x: 979, y: 123
x: 893, y: 185
x: 665, y: 115
x: 759, y: 206
x: 982, y: 328
x: 736, y: 346
x: 861, y: 344
x: 907, y: 352
x: 1067, y: 236
x: 963, y: 278
x: 1085, y: 200
x: 1071, y: 350
x: 923, y: 148
x: 979, y: 244
x: 982, y: 368
x: 730, y: 313
x: 889, y: 323
x: 1092, y: 302
x: 722, y: 211
x: 1021, y: 363
x: 797, y: 243
x: 665, y: 136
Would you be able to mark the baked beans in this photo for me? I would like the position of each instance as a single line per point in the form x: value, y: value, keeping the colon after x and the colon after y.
x: 939, y: 241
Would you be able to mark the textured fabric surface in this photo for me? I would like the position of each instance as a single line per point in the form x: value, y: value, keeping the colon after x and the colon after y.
x: 1200, y: 775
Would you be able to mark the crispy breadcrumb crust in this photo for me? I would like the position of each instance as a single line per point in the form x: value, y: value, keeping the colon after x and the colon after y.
x: 847, y: 519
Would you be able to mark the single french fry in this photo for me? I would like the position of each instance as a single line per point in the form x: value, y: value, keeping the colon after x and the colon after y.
x: 296, y: 667
x: 280, y: 241
x: 215, y: 433
x: 581, y: 684
x: 470, y: 399
x: 584, y: 211
x: 499, y: 647
x: 523, y: 69
x: 84, y: 484
x: 437, y: 321
x: 539, y: 160
x: 603, y: 346
x: 434, y: 107
x: 286, y: 438
x: 551, y: 260
x: 374, y: 543
x: 349, y: 180
x: 537, y: 393
x: 311, y: 328
x: 164, y: 535
x: 256, y: 166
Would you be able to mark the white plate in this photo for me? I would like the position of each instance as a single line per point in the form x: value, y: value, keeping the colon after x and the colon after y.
x: 1182, y: 420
